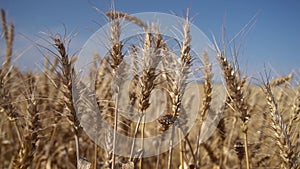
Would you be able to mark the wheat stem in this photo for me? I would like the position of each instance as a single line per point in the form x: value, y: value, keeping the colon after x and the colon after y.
x: 182, y: 164
x: 116, y: 113
x: 171, y: 144
x: 245, y: 136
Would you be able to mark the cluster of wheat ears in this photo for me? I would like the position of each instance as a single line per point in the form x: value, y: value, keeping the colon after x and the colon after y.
x: 39, y: 126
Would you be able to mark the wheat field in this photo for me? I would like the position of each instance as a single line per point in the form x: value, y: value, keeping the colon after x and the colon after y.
x: 39, y: 126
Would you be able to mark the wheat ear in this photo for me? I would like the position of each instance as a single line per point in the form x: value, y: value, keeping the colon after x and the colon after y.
x: 281, y: 80
x: 116, y: 59
x: 67, y: 76
x: 236, y: 95
x: 207, y: 87
x: 28, y: 147
x: 281, y: 134
x: 6, y: 68
x: 6, y: 103
x: 176, y: 85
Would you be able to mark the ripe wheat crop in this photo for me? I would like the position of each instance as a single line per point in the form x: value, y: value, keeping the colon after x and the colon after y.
x: 39, y: 126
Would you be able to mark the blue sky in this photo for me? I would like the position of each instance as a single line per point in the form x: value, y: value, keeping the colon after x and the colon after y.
x: 274, y: 39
